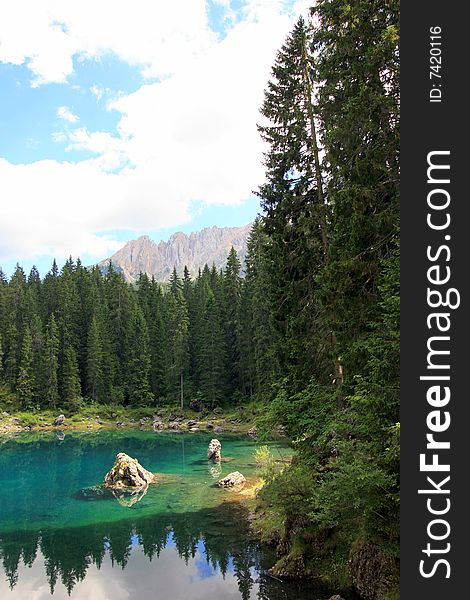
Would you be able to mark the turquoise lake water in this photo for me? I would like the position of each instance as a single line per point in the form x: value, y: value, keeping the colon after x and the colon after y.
x: 183, y: 539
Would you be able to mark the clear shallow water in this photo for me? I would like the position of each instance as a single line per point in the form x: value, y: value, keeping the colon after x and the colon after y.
x: 183, y: 539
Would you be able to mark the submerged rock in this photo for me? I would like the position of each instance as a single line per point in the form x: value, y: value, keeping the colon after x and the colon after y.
x: 215, y: 471
x: 129, y: 497
x: 125, y: 496
x: 95, y: 492
x: 59, y: 420
x: 214, y: 450
x: 235, y: 479
x: 127, y: 472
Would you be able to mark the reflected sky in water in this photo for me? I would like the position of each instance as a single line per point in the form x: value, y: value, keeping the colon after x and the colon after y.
x: 185, y: 539
x: 166, y: 578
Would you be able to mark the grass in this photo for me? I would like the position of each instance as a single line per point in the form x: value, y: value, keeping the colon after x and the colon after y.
x: 86, y: 414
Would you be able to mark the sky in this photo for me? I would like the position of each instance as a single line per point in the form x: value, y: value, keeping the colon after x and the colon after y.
x: 120, y: 119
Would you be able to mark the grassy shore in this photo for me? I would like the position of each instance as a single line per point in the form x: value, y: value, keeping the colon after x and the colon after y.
x: 92, y: 416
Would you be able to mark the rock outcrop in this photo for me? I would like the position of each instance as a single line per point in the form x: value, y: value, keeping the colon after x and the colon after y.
x: 208, y: 246
x: 60, y: 420
x: 235, y: 479
x: 214, y: 451
x: 127, y: 472
x: 371, y: 571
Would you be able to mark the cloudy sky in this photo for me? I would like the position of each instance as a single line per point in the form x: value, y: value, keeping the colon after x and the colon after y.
x: 122, y: 118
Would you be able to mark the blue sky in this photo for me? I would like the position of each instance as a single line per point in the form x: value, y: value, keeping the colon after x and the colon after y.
x: 119, y: 121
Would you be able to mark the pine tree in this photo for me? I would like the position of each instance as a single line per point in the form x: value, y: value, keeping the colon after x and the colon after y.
x: 213, y: 384
x: 11, y: 355
x: 50, y: 364
x: 1, y: 361
x: 70, y: 379
x: 37, y: 345
x: 179, y: 338
x: 232, y: 298
x: 25, y: 385
x: 138, y: 366
x: 258, y: 336
x: 295, y: 210
x: 94, y: 362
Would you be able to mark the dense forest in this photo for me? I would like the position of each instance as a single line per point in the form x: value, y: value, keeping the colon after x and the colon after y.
x: 310, y: 332
x: 84, y: 334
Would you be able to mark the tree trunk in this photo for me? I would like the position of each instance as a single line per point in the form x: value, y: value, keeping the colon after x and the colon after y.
x: 181, y: 391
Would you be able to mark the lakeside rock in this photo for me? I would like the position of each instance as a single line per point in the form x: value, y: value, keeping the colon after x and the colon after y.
x: 371, y: 571
x: 214, y: 451
x: 59, y: 420
x: 127, y: 472
x: 173, y: 425
x: 253, y: 431
x: 235, y: 479
x: 218, y: 429
x: 195, y: 405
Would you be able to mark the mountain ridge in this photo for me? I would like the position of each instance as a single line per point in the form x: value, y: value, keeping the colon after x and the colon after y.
x: 209, y: 245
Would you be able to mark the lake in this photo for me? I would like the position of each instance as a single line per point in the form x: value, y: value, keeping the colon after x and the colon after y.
x: 183, y: 539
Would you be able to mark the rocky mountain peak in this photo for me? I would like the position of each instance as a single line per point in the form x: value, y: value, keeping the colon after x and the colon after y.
x: 207, y: 246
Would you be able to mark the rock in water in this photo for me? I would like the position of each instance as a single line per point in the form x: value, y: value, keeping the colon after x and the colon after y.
x: 127, y: 472
x: 214, y: 450
x: 59, y: 420
x: 235, y: 479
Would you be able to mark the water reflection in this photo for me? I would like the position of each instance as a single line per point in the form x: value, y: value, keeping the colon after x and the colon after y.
x: 207, y: 554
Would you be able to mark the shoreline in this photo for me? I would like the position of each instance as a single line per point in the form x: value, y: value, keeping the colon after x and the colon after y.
x: 117, y: 417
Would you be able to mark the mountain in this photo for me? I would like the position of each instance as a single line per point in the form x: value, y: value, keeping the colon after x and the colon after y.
x: 210, y: 245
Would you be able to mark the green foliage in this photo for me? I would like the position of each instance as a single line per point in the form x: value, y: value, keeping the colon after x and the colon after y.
x: 332, y: 265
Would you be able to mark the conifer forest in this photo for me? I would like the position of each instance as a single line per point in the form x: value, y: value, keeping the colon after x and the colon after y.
x: 306, y: 331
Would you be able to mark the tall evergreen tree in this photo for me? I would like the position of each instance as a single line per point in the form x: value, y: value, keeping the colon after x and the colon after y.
x: 94, y: 362
x: 70, y: 378
x: 138, y: 366
x: 232, y: 299
x: 50, y: 364
x: 213, y: 384
x: 25, y: 384
x: 295, y: 210
x: 179, y: 338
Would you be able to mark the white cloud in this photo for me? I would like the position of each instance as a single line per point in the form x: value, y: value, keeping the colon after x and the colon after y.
x: 64, y: 113
x: 189, y: 137
x: 156, y: 35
